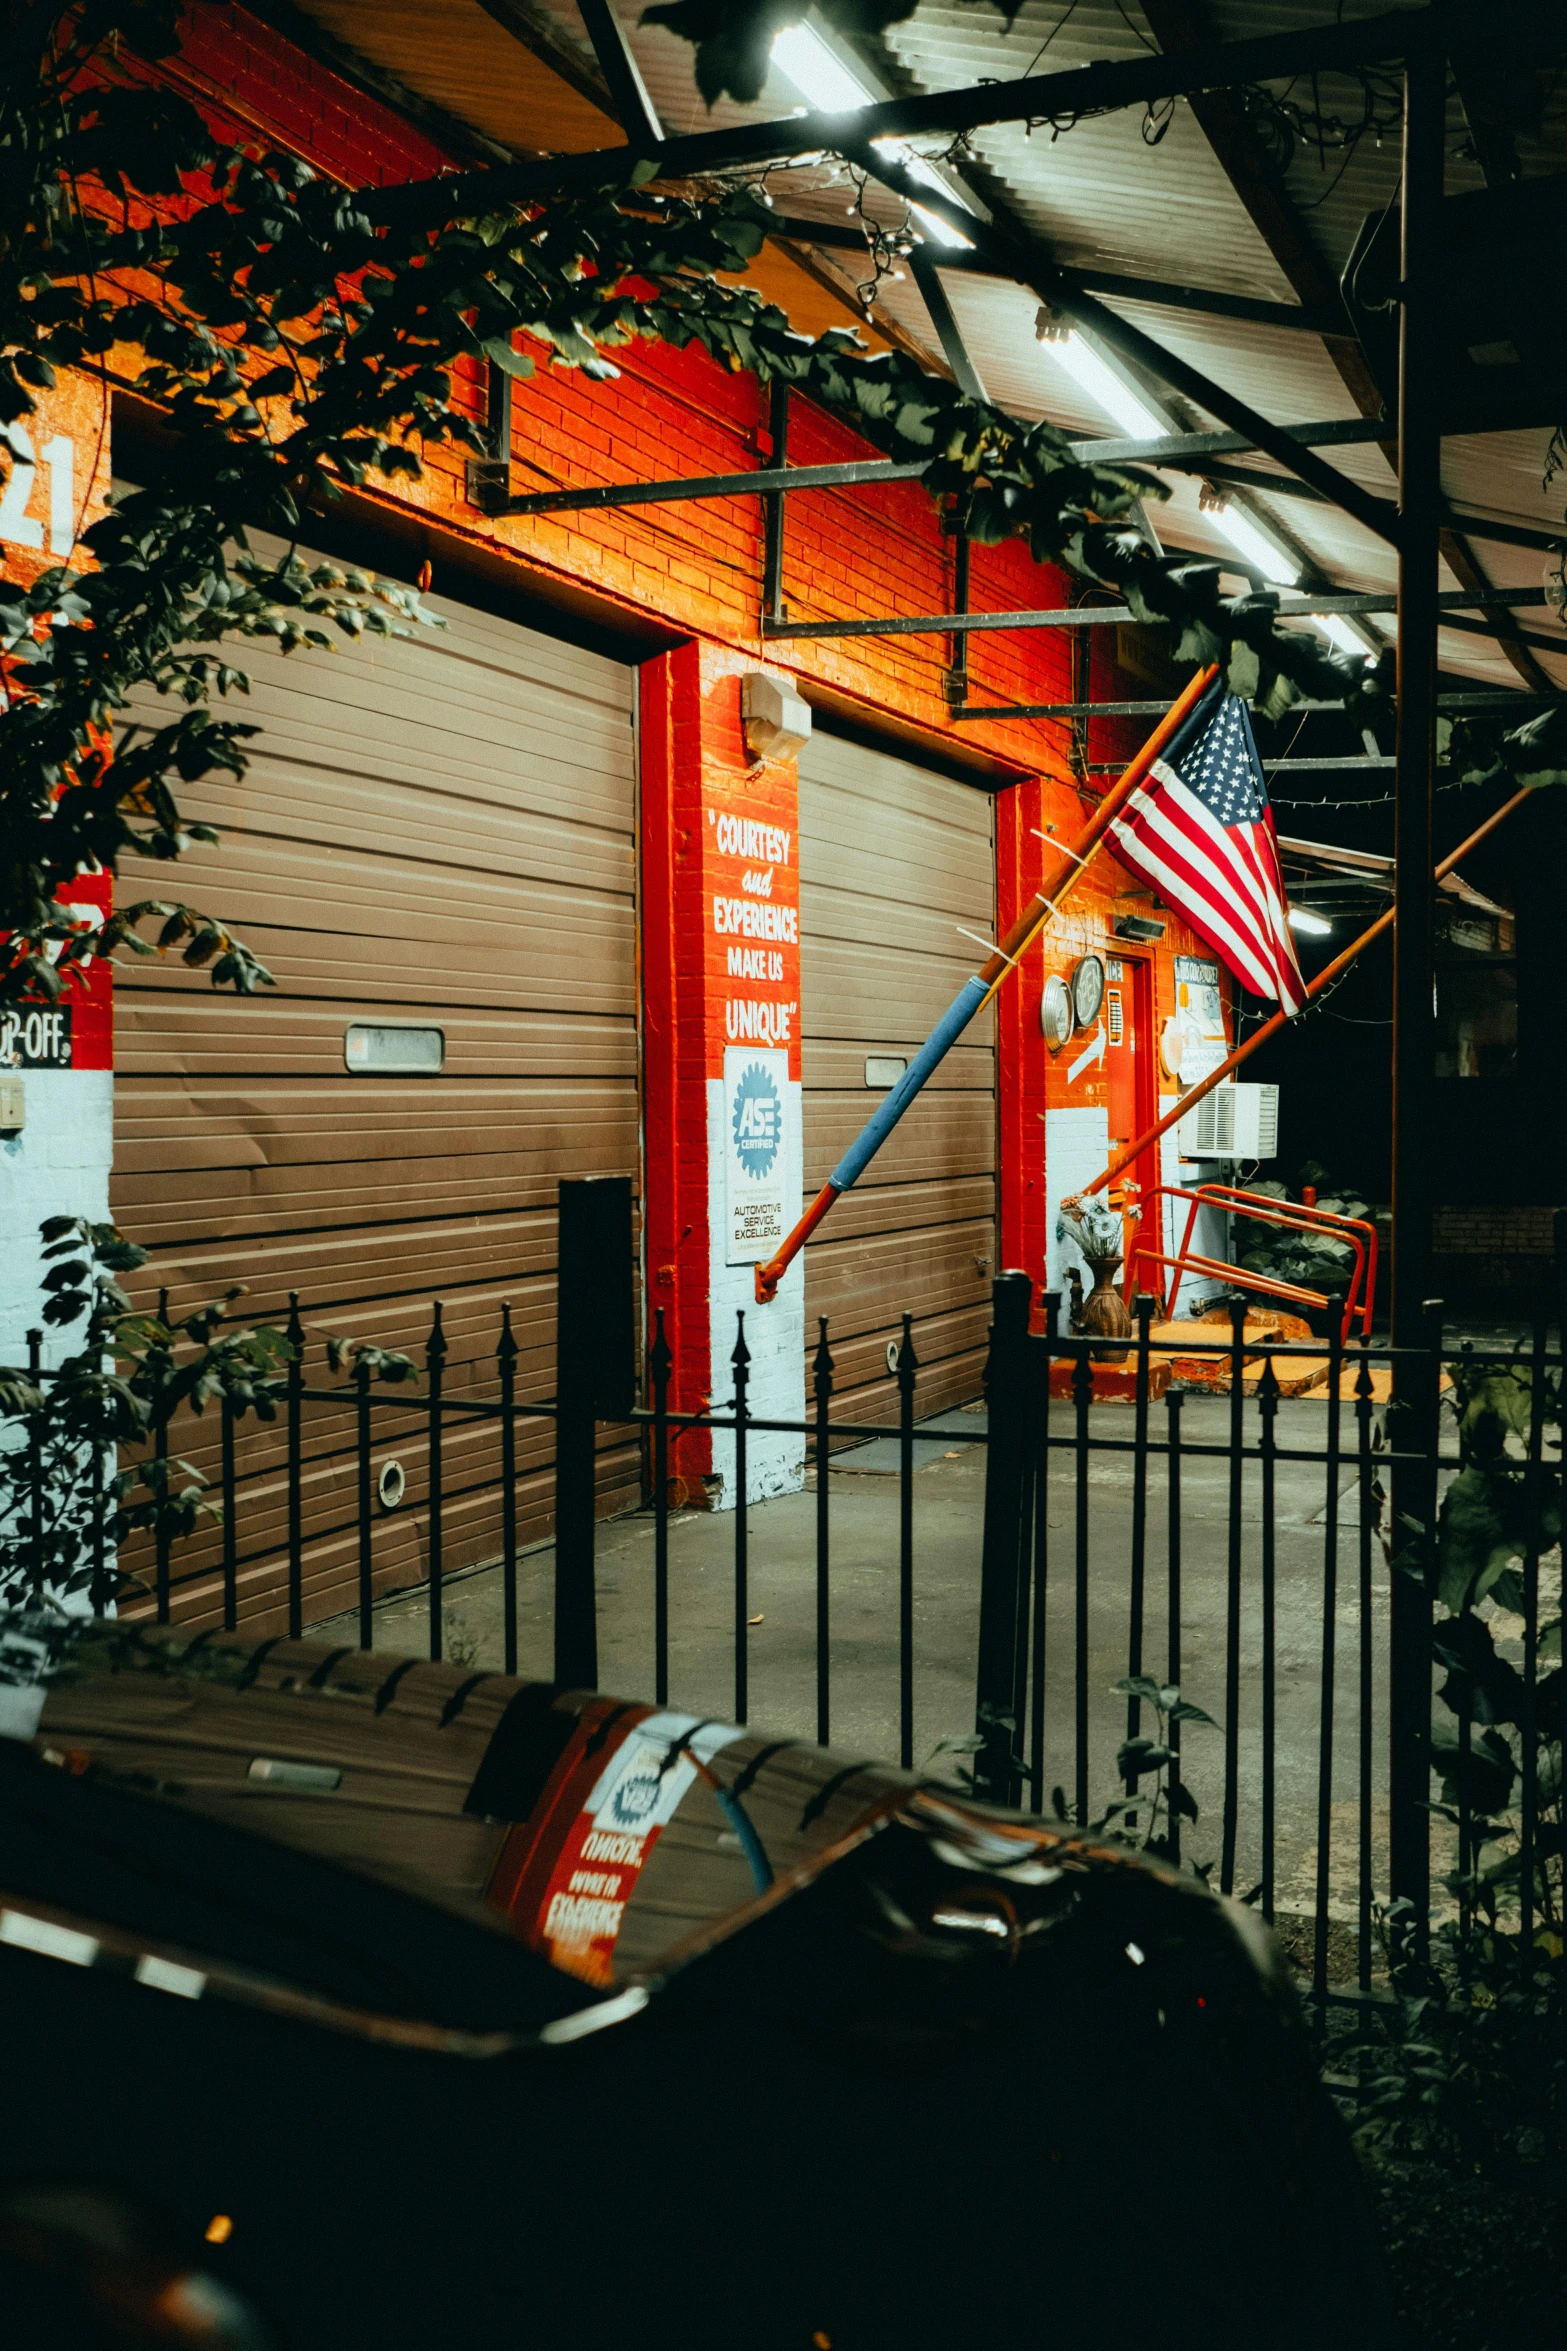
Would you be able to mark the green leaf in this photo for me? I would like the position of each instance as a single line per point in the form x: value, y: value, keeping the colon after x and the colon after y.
x: 1482, y: 1777
x: 1135, y: 1756
x: 499, y: 350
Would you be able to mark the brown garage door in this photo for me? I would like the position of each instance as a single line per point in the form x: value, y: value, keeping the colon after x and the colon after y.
x: 892, y: 860
x: 438, y: 833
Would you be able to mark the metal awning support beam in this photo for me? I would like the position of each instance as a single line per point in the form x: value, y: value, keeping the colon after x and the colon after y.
x: 1188, y: 451
x: 1025, y: 259
x: 1301, y: 318
x: 617, y: 62
x: 1168, y: 448
x: 863, y: 471
x: 954, y: 350
x: 766, y: 480
x: 1511, y: 636
x: 1505, y: 698
x: 1079, y: 616
x: 1108, y: 85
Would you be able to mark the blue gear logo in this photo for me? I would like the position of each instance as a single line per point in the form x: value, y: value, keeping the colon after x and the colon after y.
x: 634, y: 1797
x: 758, y: 1122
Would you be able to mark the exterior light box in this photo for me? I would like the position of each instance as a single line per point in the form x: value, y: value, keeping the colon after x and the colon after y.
x: 395, y: 1050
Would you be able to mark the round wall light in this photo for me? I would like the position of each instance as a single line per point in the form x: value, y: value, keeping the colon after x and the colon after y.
x: 1088, y: 989
x: 1055, y: 1012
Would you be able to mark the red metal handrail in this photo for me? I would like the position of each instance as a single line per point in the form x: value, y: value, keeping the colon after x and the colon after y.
x: 1299, y: 1211
x: 1292, y: 1216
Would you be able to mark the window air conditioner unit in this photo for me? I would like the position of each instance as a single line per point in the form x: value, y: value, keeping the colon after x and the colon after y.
x: 1233, y: 1122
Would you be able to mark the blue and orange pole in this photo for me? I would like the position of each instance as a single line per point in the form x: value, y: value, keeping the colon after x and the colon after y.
x: 978, y: 990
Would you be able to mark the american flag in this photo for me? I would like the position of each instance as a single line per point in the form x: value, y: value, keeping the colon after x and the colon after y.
x: 1201, y: 830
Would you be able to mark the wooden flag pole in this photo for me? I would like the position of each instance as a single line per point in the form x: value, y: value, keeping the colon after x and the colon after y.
x: 1330, y: 972
x: 981, y: 987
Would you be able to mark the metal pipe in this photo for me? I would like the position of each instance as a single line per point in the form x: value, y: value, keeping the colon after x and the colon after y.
x: 773, y: 607
x: 1310, y: 604
x: 1270, y: 1028
x: 978, y: 990
x: 851, y: 474
x: 1414, y: 1024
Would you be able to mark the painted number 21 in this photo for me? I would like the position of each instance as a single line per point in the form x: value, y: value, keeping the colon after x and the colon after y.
x: 59, y: 459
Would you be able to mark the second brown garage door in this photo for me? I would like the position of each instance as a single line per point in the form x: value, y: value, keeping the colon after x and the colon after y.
x: 893, y: 860
x: 434, y: 835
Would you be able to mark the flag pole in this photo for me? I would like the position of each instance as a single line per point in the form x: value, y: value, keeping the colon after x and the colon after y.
x: 1132, y: 1152
x: 978, y: 990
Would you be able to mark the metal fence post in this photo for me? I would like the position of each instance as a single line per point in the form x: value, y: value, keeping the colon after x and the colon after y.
x: 1173, y: 1403
x: 661, y: 1362
x: 160, y: 1454
x: 296, y: 1387
x: 908, y: 1365
x: 435, y: 1374
x: 104, y: 1463
x: 1329, y: 1677
x: 506, y: 1353
x: 230, y: 1530
x: 366, y: 1556
x: 1232, y: 1598
x: 1041, y: 1564
x: 740, y: 1360
x: 1144, y: 1309
x: 35, y: 1461
x: 1002, y: 1562
x: 821, y: 1374
x: 1414, y: 1026
x: 595, y: 1379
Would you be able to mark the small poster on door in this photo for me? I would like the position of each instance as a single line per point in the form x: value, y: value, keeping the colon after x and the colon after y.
x: 756, y: 1099
x: 1194, y: 1041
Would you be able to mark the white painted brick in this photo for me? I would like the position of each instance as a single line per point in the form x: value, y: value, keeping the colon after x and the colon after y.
x: 774, y: 1334
x: 57, y: 1166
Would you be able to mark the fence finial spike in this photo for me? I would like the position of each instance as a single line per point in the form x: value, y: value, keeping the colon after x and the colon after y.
x: 908, y: 1361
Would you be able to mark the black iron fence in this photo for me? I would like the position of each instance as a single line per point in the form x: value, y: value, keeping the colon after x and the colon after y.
x: 1187, y: 1604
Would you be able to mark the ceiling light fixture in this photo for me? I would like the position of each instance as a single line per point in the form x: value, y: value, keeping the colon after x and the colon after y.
x: 825, y: 82
x: 1103, y: 386
x: 1312, y: 926
x: 1278, y: 569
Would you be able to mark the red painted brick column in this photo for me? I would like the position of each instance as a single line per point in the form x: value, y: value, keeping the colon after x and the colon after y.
x: 721, y: 1055
x: 1021, y: 1057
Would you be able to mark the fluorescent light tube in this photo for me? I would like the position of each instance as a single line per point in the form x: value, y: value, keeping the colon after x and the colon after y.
x: 825, y: 82
x: 1104, y: 386
x: 1314, y: 926
x: 1278, y: 569
x: 816, y: 73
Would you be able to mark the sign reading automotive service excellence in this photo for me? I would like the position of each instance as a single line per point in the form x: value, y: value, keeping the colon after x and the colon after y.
x: 756, y: 1113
